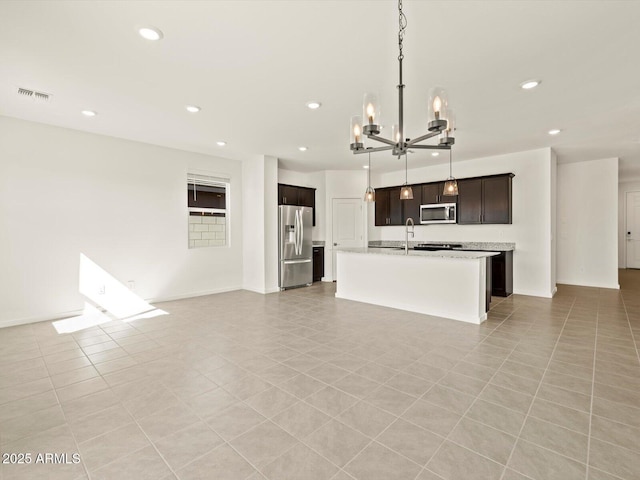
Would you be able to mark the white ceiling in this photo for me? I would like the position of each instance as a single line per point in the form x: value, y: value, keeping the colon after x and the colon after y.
x: 252, y: 66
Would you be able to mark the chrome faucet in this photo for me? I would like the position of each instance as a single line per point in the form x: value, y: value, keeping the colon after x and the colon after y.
x: 407, y: 232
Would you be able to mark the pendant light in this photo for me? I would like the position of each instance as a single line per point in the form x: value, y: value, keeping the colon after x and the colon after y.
x: 451, y: 185
x: 406, y: 192
x: 369, y: 193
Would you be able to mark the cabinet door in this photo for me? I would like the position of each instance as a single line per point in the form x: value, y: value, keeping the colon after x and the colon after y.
x: 411, y: 208
x: 287, y: 195
x: 496, y: 199
x: 431, y: 193
x: 395, y: 207
x: 318, y: 263
x: 470, y: 201
x: 382, y: 207
x: 306, y: 197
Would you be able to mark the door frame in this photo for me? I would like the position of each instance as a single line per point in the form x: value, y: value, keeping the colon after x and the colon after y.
x: 626, y: 227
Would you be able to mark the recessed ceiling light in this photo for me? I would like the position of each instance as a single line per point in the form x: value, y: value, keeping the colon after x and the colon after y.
x: 313, y: 105
x: 192, y: 108
x: 302, y: 149
x: 150, y: 33
x: 554, y: 131
x: 89, y: 113
x: 366, y: 167
x: 435, y: 154
x: 529, y: 84
x: 221, y: 143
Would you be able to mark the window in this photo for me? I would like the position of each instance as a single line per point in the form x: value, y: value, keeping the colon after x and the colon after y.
x: 207, y: 199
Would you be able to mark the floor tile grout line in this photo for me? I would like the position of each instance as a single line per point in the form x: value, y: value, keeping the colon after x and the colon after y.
x: 633, y: 336
x: 469, y: 408
x: 538, y: 389
x: 68, y: 425
x: 593, y: 387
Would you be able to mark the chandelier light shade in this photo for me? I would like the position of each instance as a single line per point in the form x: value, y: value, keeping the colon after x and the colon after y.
x: 356, y: 132
x: 406, y: 192
x: 451, y: 185
x: 371, y: 114
x: 438, y: 112
x: 369, y: 193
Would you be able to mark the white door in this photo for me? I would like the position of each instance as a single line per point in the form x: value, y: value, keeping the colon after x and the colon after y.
x: 633, y: 230
x: 347, y: 225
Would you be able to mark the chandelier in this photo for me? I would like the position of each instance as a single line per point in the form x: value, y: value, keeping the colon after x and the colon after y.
x: 441, y: 119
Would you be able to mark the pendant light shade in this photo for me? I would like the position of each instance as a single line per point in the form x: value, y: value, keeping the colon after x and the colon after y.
x: 406, y: 192
x: 451, y: 185
x: 369, y: 193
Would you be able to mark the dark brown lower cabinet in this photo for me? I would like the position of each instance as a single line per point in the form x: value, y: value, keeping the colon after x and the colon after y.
x: 318, y: 263
x: 502, y: 274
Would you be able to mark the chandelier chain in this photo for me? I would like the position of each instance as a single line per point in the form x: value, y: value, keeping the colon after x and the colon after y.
x: 402, y: 24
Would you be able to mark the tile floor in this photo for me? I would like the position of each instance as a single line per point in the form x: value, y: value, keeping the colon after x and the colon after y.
x: 299, y: 385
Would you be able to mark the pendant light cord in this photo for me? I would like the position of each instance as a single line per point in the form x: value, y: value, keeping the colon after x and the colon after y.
x: 450, y: 160
x: 405, y: 169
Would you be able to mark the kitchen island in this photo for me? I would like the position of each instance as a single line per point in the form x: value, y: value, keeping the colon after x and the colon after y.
x: 446, y: 283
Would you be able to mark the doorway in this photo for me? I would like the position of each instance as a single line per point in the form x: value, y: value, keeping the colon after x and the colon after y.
x: 632, y: 230
x: 347, y: 226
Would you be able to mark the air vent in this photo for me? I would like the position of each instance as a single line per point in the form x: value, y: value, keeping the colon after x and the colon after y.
x: 36, y: 96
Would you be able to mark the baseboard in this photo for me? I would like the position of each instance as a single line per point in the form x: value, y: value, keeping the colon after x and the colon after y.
x: 40, y: 318
x: 75, y: 313
x: 591, y: 285
x: 182, y: 296
x: 263, y: 291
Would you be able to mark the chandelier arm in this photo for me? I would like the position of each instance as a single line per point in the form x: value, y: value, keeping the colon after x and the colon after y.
x: 367, y: 150
x: 431, y: 147
x: 382, y: 139
x: 412, y: 142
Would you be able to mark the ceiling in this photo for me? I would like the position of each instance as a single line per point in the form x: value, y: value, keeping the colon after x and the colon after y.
x: 252, y: 65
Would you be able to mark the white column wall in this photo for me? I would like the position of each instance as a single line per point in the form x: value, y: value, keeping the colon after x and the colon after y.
x: 121, y: 203
x: 588, y: 223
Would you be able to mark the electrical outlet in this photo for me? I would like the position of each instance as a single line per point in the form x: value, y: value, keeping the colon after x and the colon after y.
x: 132, y: 285
x: 102, y: 290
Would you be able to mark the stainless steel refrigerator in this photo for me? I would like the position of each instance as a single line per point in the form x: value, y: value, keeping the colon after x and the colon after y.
x: 296, y: 249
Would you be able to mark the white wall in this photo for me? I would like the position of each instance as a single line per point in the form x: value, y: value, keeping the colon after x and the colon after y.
x: 121, y: 203
x: 260, y: 242
x: 623, y: 188
x: 588, y: 223
x: 532, y: 213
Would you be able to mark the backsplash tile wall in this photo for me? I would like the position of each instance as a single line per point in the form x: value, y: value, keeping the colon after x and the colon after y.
x: 207, y: 231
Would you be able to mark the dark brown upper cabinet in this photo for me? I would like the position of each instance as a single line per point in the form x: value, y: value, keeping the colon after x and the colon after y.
x: 294, y: 195
x: 470, y: 201
x: 496, y: 199
x: 287, y: 194
x: 481, y: 200
x: 485, y: 200
x: 388, y: 207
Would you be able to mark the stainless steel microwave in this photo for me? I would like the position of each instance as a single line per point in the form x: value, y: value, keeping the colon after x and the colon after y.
x: 438, y: 213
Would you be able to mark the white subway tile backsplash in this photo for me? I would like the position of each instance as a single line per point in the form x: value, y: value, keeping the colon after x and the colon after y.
x: 201, y: 228
x: 195, y: 219
x: 195, y: 235
x: 208, y: 235
x: 201, y: 243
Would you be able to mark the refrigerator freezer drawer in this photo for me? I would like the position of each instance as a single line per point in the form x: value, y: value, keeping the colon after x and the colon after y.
x: 294, y: 273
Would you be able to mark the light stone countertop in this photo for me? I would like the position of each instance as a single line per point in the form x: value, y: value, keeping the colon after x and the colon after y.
x: 420, y: 253
x: 482, y: 246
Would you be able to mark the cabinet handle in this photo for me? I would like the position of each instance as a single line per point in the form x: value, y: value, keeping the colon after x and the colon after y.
x: 285, y: 200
